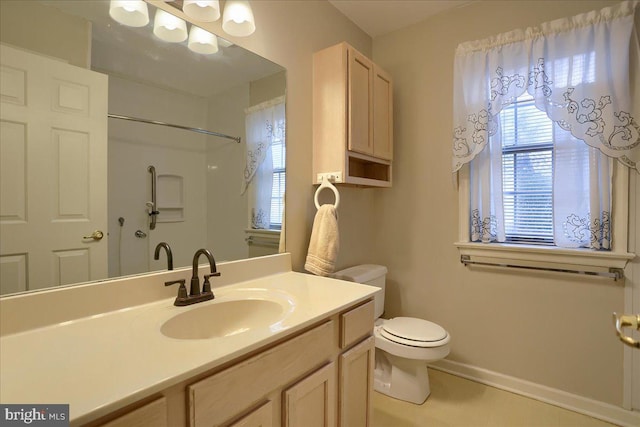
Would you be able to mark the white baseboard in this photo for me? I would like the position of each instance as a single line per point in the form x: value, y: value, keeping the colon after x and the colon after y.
x: 593, y: 408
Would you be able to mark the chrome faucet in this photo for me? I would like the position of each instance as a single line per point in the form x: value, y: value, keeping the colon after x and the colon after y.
x: 195, y: 295
x: 167, y: 248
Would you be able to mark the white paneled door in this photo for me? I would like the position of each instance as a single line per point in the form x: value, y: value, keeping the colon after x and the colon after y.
x: 53, y: 172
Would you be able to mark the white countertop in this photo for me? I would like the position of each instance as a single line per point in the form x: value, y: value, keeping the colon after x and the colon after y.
x: 100, y: 363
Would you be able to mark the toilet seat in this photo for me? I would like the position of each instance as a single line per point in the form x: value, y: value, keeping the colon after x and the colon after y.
x: 407, y: 348
x: 414, y: 332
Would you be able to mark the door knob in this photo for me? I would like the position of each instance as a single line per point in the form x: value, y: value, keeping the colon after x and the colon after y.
x: 96, y: 235
x: 627, y: 321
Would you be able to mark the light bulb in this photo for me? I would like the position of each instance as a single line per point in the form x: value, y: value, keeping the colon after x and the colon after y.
x: 237, y: 19
x: 201, y: 41
x: 169, y: 28
x: 133, y: 13
x: 206, y: 11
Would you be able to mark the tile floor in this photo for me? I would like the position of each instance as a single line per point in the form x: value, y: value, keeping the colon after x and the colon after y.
x: 457, y: 402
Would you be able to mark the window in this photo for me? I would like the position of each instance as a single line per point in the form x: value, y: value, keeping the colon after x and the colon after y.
x: 544, y: 136
x: 279, y: 180
x: 527, y: 173
x: 264, y: 173
x: 543, y: 192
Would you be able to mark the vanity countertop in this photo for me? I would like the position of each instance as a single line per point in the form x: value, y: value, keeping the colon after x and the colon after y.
x: 103, y: 362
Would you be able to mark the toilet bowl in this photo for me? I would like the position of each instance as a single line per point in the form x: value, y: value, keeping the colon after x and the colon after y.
x: 404, y: 345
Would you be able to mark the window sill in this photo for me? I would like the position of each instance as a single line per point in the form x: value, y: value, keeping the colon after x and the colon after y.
x: 545, y: 258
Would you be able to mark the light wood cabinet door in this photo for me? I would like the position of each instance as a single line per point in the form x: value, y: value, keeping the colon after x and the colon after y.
x: 356, y: 384
x: 360, y: 103
x: 312, y: 401
x: 382, y: 114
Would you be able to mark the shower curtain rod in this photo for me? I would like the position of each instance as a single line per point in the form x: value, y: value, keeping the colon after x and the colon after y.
x: 154, y: 122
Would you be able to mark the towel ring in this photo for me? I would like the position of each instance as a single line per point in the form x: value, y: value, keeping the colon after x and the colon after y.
x: 326, y: 183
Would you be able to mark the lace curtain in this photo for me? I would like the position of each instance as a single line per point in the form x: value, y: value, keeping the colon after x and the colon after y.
x: 580, y: 72
x: 264, y: 122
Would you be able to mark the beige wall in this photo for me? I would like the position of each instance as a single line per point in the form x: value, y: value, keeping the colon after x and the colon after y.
x: 268, y: 88
x: 226, y: 208
x: 548, y: 329
x: 59, y: 35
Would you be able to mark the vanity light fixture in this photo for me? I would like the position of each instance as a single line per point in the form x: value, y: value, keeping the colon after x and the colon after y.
x: 169, y: 28
x: 201, y: 41
x: 237, y: 19
x: 133, y: 13
x: 205, y: 11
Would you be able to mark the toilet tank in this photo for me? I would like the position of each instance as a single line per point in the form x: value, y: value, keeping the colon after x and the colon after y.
x: 368, y: 274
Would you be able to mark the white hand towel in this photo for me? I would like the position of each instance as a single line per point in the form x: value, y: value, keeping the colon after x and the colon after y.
x: 324, y: 243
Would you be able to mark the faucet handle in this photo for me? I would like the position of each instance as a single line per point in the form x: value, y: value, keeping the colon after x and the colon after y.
x: 182, y: 290
x: 206, y: 286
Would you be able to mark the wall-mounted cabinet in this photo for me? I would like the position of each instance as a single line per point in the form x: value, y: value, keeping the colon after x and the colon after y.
x: 352, y: 118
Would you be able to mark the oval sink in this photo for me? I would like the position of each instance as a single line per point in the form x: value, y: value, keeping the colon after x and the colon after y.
x: 224, y: 319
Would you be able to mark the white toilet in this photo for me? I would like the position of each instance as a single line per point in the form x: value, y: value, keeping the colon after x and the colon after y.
x: 404, y: 345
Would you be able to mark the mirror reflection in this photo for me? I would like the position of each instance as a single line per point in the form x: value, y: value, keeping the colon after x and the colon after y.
x: 85, y: 197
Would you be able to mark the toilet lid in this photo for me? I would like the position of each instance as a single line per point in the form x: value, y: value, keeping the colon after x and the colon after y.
x: 412, y: 331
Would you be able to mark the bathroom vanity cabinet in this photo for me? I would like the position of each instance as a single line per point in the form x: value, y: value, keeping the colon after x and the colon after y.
x: 352, y: 118
x: 321, y: 376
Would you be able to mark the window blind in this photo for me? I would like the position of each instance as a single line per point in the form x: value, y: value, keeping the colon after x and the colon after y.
x: 527, y: 173
x: 278, y: 183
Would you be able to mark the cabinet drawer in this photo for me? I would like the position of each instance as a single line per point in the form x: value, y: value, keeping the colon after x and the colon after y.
x: 356, y: 324
x: 228, y: 393
x: 153, y: 414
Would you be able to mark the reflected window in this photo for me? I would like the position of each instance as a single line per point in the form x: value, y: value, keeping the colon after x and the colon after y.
x: 264, y: 173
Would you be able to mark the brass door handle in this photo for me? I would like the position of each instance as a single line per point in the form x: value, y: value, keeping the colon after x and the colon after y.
x: 624, y: 321
x: 96, y: 235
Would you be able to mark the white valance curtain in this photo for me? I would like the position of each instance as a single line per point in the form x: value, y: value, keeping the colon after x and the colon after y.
x: 577, y: 69
x: 581, y: 72
x: 264, y: 122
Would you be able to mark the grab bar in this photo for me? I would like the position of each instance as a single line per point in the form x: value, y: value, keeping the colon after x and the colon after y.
x: 612, y: 273
x: 152, y: 205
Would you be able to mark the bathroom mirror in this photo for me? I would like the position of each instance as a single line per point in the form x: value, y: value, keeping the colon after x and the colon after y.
x: 192, y: 183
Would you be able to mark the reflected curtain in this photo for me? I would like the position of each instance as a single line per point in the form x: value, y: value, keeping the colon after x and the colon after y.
x: 264, y: 123
x: 580, y: 72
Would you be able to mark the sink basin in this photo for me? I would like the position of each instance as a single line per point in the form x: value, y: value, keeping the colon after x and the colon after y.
x: 225, y: 318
